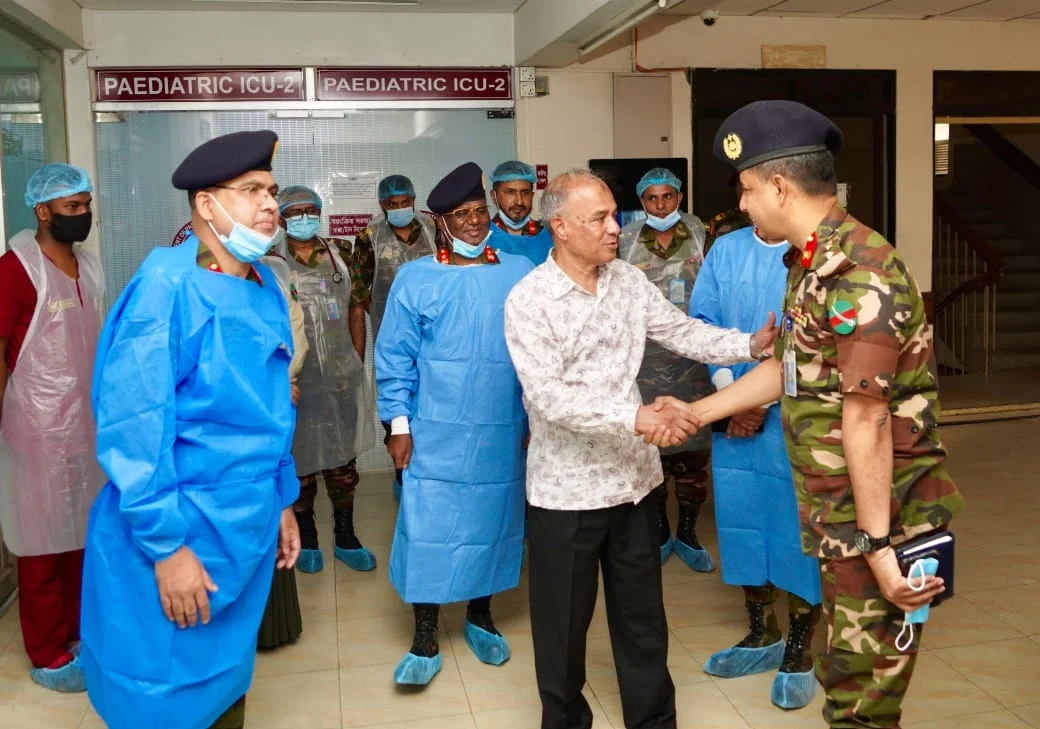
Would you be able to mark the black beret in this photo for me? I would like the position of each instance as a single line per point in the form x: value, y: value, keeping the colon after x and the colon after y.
x: 768, y: 130
x: 225, y: 158
x: 462, y: 184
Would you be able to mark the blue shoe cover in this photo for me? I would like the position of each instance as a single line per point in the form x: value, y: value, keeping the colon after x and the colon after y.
x: 69, y: 679
x: 310, y: 561
x: 736, y: 661
x: 793, y: 690
x: 416, y: 670
x: 666, y: 550
x: 488, y: 647
x: 397, y: 491
x: 697, y: 560
x: 360, y: 560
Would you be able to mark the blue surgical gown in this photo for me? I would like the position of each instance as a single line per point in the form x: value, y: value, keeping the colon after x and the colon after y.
x: 441, y: 360
x: 756, y: 513
x: 195, y: 430
x: 533, y: 247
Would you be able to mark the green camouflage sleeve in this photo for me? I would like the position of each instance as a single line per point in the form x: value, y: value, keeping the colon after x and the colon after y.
x: 869, y: 310
x: 362, y: 269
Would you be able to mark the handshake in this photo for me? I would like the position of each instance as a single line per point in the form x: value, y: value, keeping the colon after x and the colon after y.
x: 667, y: 421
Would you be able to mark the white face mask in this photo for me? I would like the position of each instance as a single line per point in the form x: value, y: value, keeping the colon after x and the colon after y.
x: 243, y: 242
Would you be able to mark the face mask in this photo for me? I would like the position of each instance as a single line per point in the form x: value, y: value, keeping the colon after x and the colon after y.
x: 243, y: 243
x: 303, y: 227
x: 663, y: 224
x: 401, y: 217
x: 464, y: 249
x: 515, y: 225
x: 923, y: 568
x: 71, y: 228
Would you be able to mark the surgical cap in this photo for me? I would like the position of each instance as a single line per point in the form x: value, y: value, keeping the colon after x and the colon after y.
x: 658, y: 176
x: 513, y: 170
x: 395, y: 185
x: 56, y: 180
x: 297, y: 195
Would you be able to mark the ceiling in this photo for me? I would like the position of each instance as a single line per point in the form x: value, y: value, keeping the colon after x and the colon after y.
x: 994, y: 10
x: 430, y: 6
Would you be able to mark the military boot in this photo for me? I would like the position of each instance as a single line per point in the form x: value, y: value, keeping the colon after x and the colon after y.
x: 311, y: 559
x: 423, y: 661
x: 795, y: 684
x: 686, y: 546
x: 761, y: 650
x: 348, y: 547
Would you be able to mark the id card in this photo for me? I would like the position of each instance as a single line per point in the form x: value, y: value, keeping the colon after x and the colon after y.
x: 677, y: 291
x: 790, y: 373
x: 332, y: 309
x: 323, y: 286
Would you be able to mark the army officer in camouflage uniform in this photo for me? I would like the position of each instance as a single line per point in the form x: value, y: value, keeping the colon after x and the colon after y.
x: 860, y: 404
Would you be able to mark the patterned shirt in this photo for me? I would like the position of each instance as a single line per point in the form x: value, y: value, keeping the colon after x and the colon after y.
x: 577, y: 355
x: 858, y: 326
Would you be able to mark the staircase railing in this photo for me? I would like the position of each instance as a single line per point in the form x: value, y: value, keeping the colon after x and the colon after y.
x: 1006, y: 150
x: 966, y: 276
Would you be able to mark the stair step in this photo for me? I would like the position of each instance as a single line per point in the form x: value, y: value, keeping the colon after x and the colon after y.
x: 1016, y: 280
x: 977, y: 215
x: 1021, y: 340
x: 1008, y: 321
x: 1008, y: 246
x: 991, y: 230
x: 1012, y: 359
x: 1017, y: 300
x: 1024, y: 262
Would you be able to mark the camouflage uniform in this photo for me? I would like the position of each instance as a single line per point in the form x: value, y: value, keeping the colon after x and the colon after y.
x: 855, y: 322
x: 723, y: 223
x: 341, y: 482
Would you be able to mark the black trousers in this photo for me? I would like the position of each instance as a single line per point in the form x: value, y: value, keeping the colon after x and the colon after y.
x: 567, y: 550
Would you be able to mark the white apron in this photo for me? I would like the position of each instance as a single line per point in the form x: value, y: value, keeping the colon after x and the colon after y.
x: 49, y: 473
x: 334, y: 418
x: 390, y: 254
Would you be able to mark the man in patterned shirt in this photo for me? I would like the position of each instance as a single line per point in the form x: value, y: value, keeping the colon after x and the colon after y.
x: 860, y: 405
x: 576, y: 328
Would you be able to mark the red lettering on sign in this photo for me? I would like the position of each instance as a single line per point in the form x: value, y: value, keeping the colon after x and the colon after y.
x: 350, y: 224
x: 415, y: 84
x: 542, y: 176
x: 199, y: 84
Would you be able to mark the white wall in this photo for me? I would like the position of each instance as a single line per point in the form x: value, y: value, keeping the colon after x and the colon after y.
x: 914, y: 49
x: 56, y: 21
x: 199, y: 38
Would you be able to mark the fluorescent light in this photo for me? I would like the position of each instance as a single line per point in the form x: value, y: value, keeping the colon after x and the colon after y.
x: 608, y: 34
x: 942, y: 132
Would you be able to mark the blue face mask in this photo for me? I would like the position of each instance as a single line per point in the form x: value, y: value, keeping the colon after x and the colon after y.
x: 465, y: 250
x: 401, y: 217
x: 921, y: 569
x: 663, y: 224
x: 514, y: 224
x: 243, y: 243
x: 303, y: 227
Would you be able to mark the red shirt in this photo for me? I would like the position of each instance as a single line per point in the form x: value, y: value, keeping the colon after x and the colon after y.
x: 17, y: 305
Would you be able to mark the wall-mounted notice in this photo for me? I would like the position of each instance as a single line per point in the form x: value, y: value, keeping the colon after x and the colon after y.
x: 541, y: 176
x: 351, y: 201
x: 199, y: 84
x: 348, y: 224
x: 414, y: 84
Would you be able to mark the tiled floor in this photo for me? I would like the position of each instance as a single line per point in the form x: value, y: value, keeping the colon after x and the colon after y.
x: 980, y: 670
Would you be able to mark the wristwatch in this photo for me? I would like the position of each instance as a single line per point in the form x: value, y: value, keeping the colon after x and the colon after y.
x: 867, y: 544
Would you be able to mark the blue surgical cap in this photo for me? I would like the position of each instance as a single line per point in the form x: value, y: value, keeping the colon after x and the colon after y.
x: 297, y: 195
x: 513, y: 170
x: 658, y: 176
x: 56, y: 180
x: 395, y: 185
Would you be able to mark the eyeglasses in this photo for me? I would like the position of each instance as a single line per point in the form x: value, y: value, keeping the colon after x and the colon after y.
x: 463, y: 215
x: 301, y: 216
x: 253, y: 190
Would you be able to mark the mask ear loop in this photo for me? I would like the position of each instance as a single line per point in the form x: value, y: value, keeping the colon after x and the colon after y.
x: 908, y: 627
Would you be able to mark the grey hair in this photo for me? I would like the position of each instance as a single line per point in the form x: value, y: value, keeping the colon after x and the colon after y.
x: 812, y: 172
x: 558, y: 191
